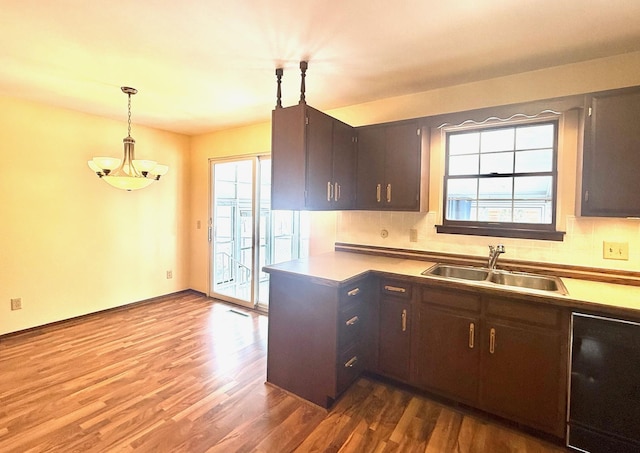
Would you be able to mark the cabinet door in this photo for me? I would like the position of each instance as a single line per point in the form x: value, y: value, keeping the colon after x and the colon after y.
x: 288, y: 158
x: 394, y: 350
x: 319, y: 144
x: 611, y: 159
x: 370, y: 173
x: 522, y: 376
x: 344, y: 166
x: 449, y: 356
x: 402, y: 167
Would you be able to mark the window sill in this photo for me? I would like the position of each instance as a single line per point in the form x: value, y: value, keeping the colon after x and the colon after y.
x: 544, y: 235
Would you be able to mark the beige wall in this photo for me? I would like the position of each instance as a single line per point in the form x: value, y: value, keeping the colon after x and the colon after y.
x: 69, y: 243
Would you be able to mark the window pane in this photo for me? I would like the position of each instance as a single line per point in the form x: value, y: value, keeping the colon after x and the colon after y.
x: 492, y: 188
x: 529, y: 187
x: 462, y: 188
x: 536, y: 212
x: 494, y: 211
x: 460, y: 196
x: 496, y: 163
x: 463, y: 165
x: 467, y: 143
x: 534, y: 161
x: 497, y: 140
x: 538, y: 136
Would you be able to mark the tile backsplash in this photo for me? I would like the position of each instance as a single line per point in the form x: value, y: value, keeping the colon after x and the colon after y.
x: 582, y: 245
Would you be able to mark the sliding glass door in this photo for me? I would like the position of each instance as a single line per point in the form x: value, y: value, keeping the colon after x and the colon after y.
x: 245, y: 233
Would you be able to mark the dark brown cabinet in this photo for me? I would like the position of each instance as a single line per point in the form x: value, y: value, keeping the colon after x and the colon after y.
x: 611, y: 155
x: 394, y: 335
x: 317, y: 336
x: 448, y: 361
x: 313, y: 160
x: 524, y: 362
x: 388, y: 167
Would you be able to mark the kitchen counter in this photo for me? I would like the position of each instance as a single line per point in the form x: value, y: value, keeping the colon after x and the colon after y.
x: 336, y: 268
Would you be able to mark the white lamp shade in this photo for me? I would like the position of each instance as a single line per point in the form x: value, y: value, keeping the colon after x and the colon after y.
x: 160, y: 170
x: 107, y: 163
x: 144, y: 165
x: 94, y: 167
x: 128, y: 183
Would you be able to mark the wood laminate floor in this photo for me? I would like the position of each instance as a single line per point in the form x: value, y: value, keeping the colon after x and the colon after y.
x: 186, y: 374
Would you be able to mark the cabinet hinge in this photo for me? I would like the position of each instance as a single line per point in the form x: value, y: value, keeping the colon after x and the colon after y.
x: 590, y: 111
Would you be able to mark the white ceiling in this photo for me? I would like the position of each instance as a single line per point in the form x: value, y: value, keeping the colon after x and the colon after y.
x: 203, y: 65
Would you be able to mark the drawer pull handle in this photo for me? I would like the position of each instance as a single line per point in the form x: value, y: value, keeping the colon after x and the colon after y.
x: 352, y: 321
x: 404, y: 320
x: 472, y: 329
x: 492, y: 341
x: 351, y: 362
x: 395, y: 289
x: 354, y: 292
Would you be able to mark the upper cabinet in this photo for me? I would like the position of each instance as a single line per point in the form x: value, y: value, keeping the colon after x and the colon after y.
x: 389, y: 167
x: 313, y: 160
x: 611, y: 155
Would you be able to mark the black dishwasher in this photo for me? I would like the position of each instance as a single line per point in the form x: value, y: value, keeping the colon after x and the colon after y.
x: 604, y: 402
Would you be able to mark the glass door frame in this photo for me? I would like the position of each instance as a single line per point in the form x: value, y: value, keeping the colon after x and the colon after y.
x: 255, y: 212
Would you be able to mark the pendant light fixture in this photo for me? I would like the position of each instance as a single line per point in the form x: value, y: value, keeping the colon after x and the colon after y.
x: 129, y: 173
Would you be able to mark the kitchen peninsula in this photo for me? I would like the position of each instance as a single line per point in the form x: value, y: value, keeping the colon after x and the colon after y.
x: 502, y: 350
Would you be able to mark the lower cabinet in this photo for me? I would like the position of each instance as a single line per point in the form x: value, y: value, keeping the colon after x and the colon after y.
x: 394, y: 350
x: 317, y: 344
x: 448, y: 357
x: 505, y: 355
x: 524, y: 363
x: 502, y: 355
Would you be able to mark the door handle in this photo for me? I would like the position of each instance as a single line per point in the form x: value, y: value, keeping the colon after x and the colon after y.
x: 492, y: 341
x: 388, y: 193
x: 404, y: 320
x: 378, y: 192
x: 336, y: 191
x: 472, y: 329
x: 329, y: 190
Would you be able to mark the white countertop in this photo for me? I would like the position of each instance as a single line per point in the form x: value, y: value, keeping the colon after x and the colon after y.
x: 337, y: 267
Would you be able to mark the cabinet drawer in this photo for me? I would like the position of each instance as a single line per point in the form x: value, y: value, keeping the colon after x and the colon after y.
x: 351, y: 294
x: 350, y: 324
x: 458, y: 300
x: 532, y: 314
x: 350, y: 365
x: 396, y: 288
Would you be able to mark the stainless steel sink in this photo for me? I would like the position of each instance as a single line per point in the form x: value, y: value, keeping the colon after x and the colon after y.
x: 460, y: 272
x: 497, y: 277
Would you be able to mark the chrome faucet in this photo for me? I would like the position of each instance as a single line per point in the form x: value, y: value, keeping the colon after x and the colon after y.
x: 494, y: 254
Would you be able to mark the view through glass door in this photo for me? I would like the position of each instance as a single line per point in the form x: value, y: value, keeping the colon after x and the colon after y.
x: 246, y: 234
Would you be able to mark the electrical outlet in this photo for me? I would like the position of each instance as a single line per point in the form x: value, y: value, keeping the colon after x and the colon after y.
x: 169, y: 275
x: 413, y: 235
x: 615, y: 250
x: 16, y: 304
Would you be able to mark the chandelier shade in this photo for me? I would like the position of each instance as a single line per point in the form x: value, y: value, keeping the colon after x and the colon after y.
x: 127, y: 173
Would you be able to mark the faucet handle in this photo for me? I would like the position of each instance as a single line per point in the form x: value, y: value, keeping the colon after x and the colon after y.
x: 492, y: 249
x: 500, y: 248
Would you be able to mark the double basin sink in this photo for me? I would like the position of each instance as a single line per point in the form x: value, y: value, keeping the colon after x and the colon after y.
x: 497, y: 277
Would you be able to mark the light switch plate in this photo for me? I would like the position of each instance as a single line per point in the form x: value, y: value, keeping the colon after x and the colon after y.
x: 615, y: 250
